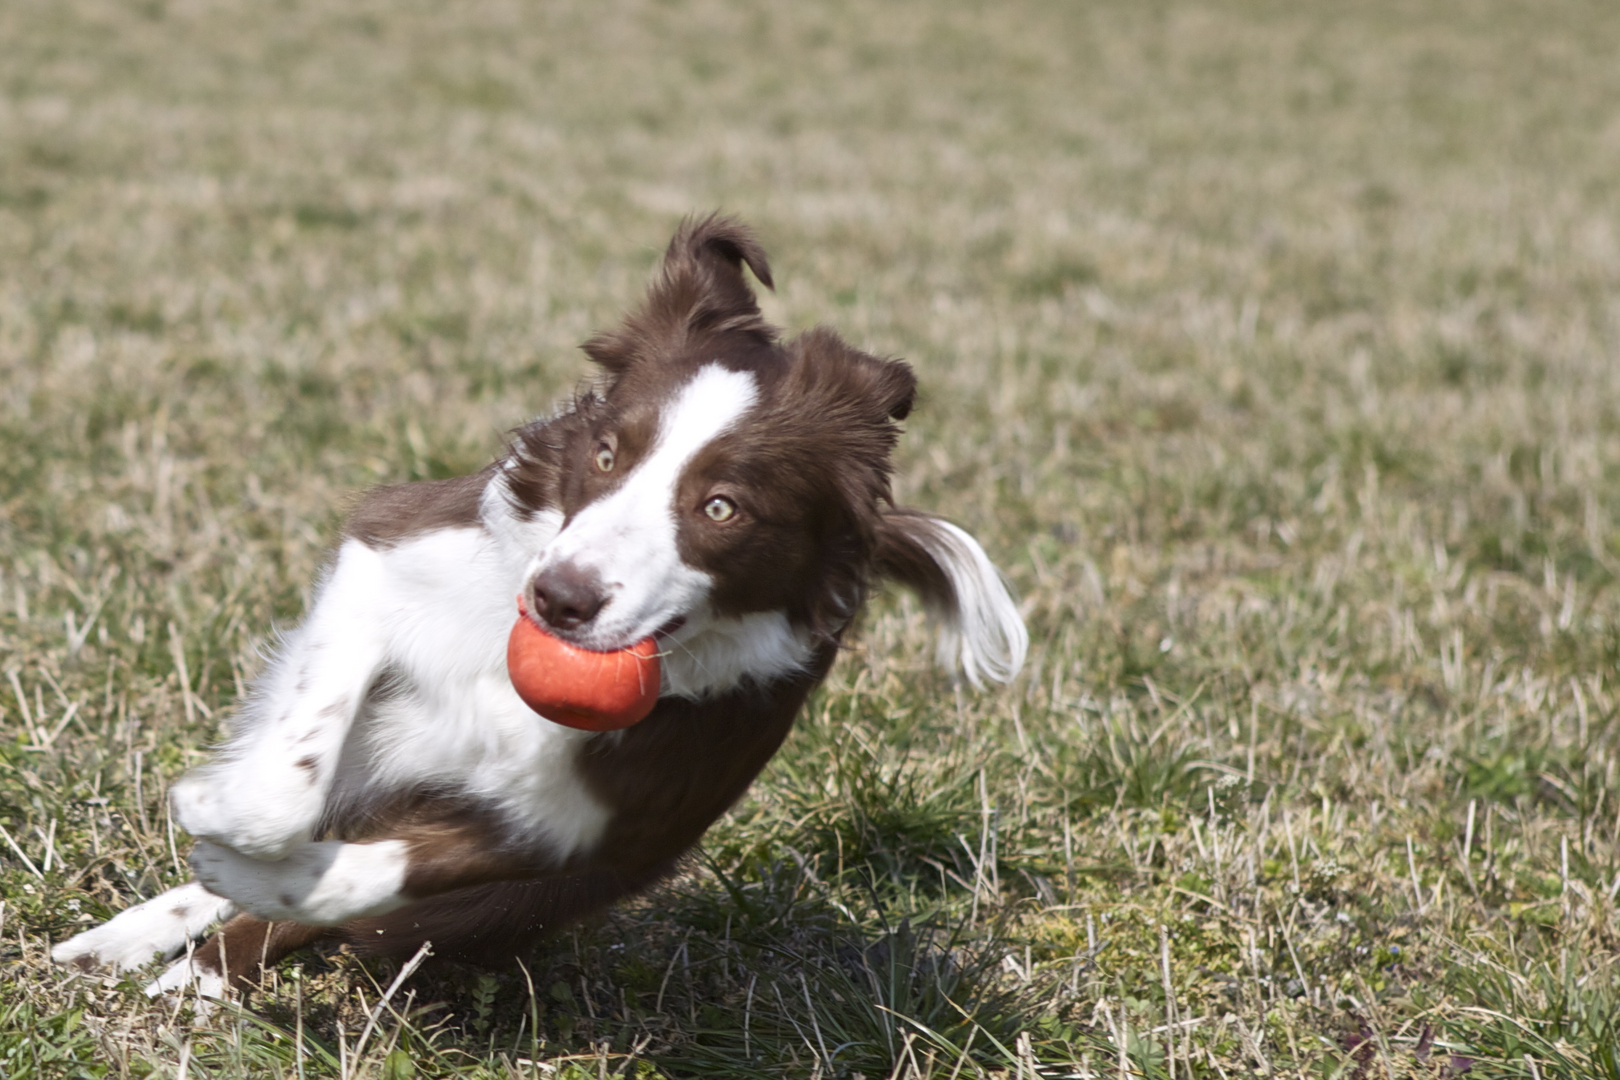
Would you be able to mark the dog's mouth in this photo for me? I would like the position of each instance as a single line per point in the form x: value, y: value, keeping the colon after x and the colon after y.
x: 585, y: 639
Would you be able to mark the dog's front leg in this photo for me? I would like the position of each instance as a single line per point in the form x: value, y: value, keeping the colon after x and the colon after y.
x: 291, y: 902
x: 243, y: 948
x: 159, y: 927
x: 265, y: 792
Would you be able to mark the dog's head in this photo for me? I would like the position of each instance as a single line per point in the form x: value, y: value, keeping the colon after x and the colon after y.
x: 718, y: 477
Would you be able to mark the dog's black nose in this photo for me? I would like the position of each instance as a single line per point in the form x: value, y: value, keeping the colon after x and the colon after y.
x: 566, y: 597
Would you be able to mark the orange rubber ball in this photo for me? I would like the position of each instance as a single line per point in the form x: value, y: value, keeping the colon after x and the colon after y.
x: 580, y: 688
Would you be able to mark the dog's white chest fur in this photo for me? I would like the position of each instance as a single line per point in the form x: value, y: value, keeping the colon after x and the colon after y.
x: 397, y: 683
x: 443, y: 715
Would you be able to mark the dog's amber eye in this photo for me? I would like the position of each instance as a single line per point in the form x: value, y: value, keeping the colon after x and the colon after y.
x: 604, y: 459
x: 720, y: 508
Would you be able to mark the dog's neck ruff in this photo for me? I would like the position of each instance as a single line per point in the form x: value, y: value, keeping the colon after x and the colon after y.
x: 723, y: 654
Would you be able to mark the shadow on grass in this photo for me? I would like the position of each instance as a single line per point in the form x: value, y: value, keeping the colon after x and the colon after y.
x: 755, y: 971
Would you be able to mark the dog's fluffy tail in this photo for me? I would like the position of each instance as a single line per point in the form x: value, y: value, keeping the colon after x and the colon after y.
x: 981, y: 630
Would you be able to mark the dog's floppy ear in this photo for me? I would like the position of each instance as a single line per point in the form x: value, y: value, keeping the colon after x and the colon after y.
x: 982, y: 631
x: 828, y: 366
x: 700, y: 292
x: 892, y: 385
x: 830, y: 427
x: 719, y: 243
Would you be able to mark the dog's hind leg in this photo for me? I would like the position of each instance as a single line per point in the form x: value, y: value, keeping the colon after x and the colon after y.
x: 491, y: 924
x: 238, y: 954
x: 332, y: 882
x: 158, y: 927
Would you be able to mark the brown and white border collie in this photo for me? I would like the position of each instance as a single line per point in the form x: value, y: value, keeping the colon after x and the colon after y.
x: 722, y: 489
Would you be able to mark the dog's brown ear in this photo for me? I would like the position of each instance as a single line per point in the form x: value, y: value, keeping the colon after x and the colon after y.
x: 905, y: 555
x: 723, y: 242
x: 981, y: 630
x: 829, y: 368
x: 700, y: 292
x: 900, y: 388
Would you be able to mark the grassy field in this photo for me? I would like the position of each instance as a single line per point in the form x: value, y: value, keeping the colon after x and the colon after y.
x: 1274, y: 350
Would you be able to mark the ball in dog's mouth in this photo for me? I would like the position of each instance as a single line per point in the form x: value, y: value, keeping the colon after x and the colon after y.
x: 581, y: 688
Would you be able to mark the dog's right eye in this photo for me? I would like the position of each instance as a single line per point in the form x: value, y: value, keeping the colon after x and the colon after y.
x: 604, y: 458
x: 720, y: 508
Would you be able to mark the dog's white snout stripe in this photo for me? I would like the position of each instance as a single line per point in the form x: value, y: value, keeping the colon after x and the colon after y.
x: 629, y: 539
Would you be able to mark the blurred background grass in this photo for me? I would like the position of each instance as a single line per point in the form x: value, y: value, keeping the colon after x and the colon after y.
x: 1272, y: 349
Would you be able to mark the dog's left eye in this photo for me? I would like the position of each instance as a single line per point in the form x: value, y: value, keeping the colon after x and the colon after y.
x: 604, y: 459
x: 720, y: 508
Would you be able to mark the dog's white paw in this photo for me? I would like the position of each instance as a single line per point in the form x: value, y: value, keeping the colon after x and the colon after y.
x: 159, y: 927
x: 185, y: 975
x: 264, y: 816
x: 317, y: 884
